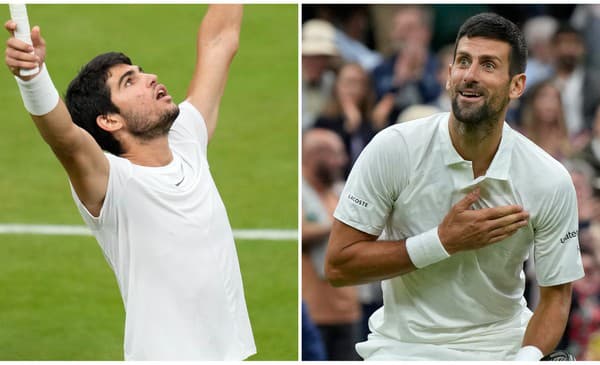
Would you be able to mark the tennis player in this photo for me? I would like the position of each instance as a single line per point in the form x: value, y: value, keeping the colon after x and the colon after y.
x: 458, y: 199
x: 149, y: 198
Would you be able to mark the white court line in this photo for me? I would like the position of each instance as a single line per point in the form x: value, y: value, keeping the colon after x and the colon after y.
x: 67, y: 230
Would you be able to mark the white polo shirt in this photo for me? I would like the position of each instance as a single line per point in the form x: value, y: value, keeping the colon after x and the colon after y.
x: 469, y: 306
x: 165, y: 233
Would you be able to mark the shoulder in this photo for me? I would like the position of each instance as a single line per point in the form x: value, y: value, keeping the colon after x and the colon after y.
x: 542, y: 172
x: 400, y: 145
x: 414, y: 134
x: 188, y: 110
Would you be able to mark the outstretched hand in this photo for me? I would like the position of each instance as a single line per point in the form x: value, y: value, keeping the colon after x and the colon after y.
x: 466, y: 229
x: 20, y: 55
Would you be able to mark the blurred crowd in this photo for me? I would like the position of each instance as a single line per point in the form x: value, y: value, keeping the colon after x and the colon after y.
x: 366, y: 67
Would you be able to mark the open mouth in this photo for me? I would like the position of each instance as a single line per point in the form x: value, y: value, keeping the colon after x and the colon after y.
x: 161, y: 92
x: 470, y: 94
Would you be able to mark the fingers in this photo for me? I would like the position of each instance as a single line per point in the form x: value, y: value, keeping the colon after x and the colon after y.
x: 500, y: 233
x: 499, y: 212
x: 10, y: 26
x: 20, y: 55
x: 36, y: 37
x: 466, y: 202
x: 18, y: 45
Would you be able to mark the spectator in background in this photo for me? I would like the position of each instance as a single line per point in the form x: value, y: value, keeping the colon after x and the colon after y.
x: 538, y: 32
x: 409, y: 76
x: 579, y: 87
x: 543, y: 120
x: 318, y: 57
x: 350, y: 35
x: 445, y: 58
x: 591, y: 153
x: 313, y: 348
x: 586, y: 18
x: 584, y: 318
x: 587, y: 206
x: 335, y: 311
x: 348, y: 112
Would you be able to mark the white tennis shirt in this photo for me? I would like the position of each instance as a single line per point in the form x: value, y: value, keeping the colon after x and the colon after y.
x: 165, y: 233
x: 404, y: 183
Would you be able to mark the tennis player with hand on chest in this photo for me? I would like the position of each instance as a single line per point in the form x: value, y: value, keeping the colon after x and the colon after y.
x: 445, y: 210
x: 140, y: 178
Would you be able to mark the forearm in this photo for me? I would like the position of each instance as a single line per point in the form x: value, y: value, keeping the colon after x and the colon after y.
x: 220, y: 25
x: 549, y: 320
x: 57, y: 129
x: 367, y: 261
x: 47, y: 110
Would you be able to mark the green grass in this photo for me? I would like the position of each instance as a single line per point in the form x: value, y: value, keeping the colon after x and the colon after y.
x: 60, y: 300
x: 58, y: 297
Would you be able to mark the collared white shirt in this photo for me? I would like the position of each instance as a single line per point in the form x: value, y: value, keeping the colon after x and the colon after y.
x: 405, y: 182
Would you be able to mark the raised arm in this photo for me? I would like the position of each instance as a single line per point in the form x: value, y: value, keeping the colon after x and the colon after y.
x: 218, y: 39
x: 77, y: 151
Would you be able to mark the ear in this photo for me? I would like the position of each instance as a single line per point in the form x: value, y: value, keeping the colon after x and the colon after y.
x: 517, y: 86
x: 110, y: 122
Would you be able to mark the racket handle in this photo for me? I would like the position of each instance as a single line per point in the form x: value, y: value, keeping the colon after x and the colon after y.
x: 18, y: 13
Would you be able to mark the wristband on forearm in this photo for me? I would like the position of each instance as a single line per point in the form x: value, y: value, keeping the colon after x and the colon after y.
x: 426, y: 248
x: 529, y: 353
x: 39, y: 94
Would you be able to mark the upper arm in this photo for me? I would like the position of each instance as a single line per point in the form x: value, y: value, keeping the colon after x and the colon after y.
x: 80, y: 155
x: 556, y: 244
x: 217, y: 43
x: 373, y: 184
x: 343, y: 236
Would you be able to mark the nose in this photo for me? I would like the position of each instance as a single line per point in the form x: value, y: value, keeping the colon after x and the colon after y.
x: 151, y: 79
x: 471, y: 73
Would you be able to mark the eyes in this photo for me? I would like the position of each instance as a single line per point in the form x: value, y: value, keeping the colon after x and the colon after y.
x: 465, y: 62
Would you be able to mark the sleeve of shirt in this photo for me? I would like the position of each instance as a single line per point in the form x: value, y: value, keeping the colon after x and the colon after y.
x: 374, y: 183
x: 189, y: 127
x: 556, y: 244
x: 104, y: 226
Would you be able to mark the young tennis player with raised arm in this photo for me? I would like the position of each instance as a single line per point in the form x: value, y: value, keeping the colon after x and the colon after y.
x: 149, y: 198
x: 459, y: 199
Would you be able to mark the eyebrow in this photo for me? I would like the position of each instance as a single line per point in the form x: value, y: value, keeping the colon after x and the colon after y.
x: 483, y: 57
x: 127, y: 74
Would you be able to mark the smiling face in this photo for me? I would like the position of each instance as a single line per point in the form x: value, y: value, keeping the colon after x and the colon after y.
x: 146, y: 109
x: 479, y: 82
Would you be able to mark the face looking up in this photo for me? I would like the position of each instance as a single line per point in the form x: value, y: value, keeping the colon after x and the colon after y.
x: 146, y: 109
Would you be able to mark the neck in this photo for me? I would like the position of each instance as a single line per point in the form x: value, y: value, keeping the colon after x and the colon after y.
x: 478, y: 143
x: 151, y: 153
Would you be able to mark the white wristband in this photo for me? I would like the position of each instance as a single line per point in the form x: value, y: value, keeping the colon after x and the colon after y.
x: 39, y: 94
x: 529, y: 353
x: 426, y: 248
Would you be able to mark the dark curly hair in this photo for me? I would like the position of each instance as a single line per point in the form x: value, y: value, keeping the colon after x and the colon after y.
x: 88, y: 96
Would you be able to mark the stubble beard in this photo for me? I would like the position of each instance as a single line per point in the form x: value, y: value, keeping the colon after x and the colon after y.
x: 140, y: 127
x: 479, y: 119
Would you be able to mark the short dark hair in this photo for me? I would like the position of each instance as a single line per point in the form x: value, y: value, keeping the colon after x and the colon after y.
x: 494, y: 26
x: 88, y: 96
